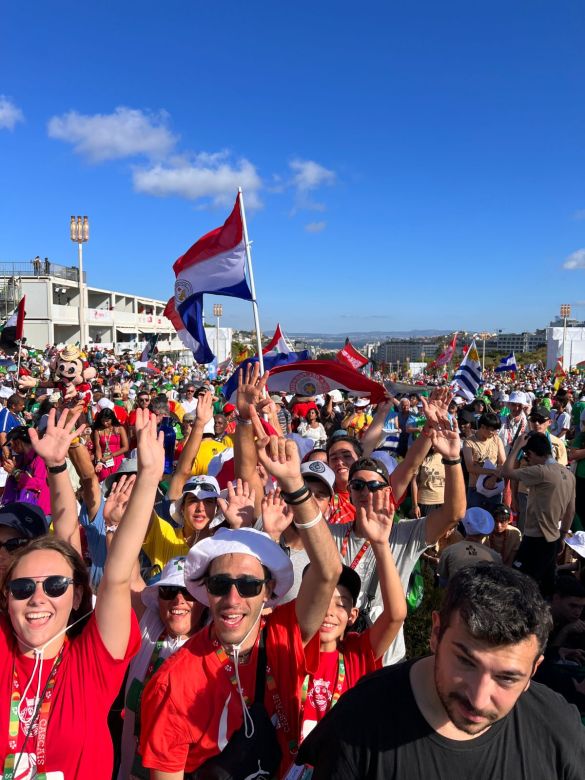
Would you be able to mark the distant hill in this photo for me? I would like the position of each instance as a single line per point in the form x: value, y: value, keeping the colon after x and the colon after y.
x: 364, y: 337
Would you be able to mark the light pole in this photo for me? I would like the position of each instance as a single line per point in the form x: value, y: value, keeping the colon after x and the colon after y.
x: 79, y: 229
x: 217, y: 312
x: 483, y: 336
x: 565, y: 312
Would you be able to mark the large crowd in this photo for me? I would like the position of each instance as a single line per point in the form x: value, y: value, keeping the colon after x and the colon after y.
x: 208, y: 587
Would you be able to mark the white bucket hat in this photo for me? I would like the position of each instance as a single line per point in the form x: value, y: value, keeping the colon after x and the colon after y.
x: 203, y: 486
x: 172, y: 574
x: 480, y: 486
x: 517, y: 397
x: 246, y: 541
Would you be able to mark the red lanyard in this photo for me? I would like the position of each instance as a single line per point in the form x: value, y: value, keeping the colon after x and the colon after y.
x: 361, y: 551
x: 41, y: 714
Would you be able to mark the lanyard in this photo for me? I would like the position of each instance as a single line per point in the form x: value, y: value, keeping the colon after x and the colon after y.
x: 154, y: 659
x: 229, y: 665
x: 361, y: 551
x: 41, y: 714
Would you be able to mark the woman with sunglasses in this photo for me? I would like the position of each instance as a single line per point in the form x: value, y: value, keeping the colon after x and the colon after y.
x: 168, y: 616
x: 60, y: 664
x: 110, y: 442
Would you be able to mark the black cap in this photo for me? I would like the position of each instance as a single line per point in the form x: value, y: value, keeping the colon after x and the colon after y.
x: 28, y: 519
x: 540, y: 411
x: 351, y: 580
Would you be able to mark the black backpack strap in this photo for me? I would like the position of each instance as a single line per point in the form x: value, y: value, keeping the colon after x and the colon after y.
x: 261, y: 669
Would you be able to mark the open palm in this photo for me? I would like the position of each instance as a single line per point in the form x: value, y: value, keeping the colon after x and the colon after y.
x: 54, y: 445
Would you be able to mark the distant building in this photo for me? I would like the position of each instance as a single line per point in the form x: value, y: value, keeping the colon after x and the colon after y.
x: 516, y: 342
x: 401, y: 350
x: 116, y: 320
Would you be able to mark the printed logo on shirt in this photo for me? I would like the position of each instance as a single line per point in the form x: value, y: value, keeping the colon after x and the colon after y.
x: 320, y: 695
x: 27, y: 768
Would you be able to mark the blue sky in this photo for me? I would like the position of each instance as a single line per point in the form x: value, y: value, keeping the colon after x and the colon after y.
x: 405, y: 165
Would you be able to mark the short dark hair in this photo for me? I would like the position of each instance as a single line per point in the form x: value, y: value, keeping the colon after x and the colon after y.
x: 567, y: 586
x: 369, y: 464
x: 489, y: 420
x: 20, y: 433
x: 13, y: 400
x: 499, y: 605
x: 539, y: 444
x: 353, y: 443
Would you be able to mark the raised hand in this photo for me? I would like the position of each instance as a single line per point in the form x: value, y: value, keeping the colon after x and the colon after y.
x: 374, y: 520
x: 117, y: 500
x: 279, y: 456
x: 275, y: 517
x: 204, y: 409
x: 436, y: 408
x: 151, y: 451
x: 238, y: 510
x: 250, y: 388
x: 446, y: 442
x: 54, y: 445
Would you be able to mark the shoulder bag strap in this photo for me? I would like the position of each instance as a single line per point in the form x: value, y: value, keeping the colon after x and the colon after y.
x: 261, y: 669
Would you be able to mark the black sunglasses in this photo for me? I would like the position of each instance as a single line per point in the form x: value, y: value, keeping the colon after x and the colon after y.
x: 372, y: 484
x: 54, y: 586
x: 14, y: 544
x: 221, y: 584
x: 170, y: 592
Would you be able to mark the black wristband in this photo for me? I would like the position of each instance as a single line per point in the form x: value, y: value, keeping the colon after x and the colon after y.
x: 447, y: 462
x: 57, y: 469
x: 305, y: 497
x: 296, y: 494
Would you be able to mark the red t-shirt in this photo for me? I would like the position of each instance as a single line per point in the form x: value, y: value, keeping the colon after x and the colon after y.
x: 120, y: 414
x: 183, y: 706
x: 358, y: 658
x: 301, y: 408
x: 88, y: 680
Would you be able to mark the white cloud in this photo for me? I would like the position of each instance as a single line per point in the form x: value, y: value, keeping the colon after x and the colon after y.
x: 308, y: 175
x: 579, y: 214
x: 10, y: 114
x: 206, y: 176
x: 126, y: 132
x: 315, y: 227
x: 575, y: 260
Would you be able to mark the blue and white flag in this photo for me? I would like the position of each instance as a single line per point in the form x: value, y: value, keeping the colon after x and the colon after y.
x: 214, y: 264
x: 507, y: 363
x: 468, y: 377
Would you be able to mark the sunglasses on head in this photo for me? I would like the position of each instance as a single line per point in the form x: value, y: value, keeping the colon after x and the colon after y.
x: 11, y: 545
x: 170, y: 592
x: 372, y: 484
x: 54, y: 585
x: 221, y: 584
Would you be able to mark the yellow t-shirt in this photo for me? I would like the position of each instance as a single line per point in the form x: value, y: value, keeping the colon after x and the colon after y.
x: 208, y: 449
x: 163, y: 542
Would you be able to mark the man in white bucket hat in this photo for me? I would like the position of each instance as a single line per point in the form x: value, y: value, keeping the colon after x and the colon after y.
x: 202, y: 696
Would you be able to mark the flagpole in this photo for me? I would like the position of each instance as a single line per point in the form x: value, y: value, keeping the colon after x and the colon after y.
x: 252, y: 285
x: 18, y: 363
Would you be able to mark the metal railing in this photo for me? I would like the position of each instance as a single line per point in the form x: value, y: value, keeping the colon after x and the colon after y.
x: 38, y: 267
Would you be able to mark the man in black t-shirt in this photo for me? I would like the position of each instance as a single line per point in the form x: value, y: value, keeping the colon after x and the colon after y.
x: 469, y: 710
